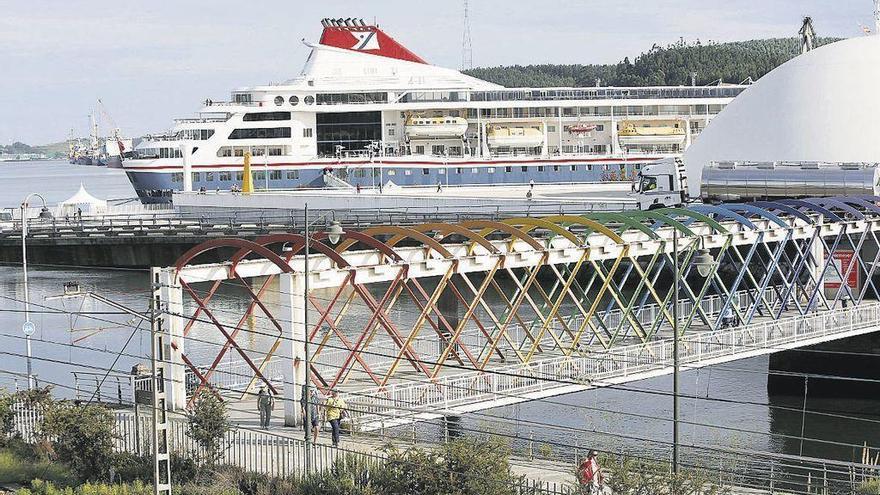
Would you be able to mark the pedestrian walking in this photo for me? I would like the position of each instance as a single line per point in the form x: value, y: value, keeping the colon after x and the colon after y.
x: 265, y: 404
x: 310, y: 399
x: 335, y: 412
x: 590, y: 474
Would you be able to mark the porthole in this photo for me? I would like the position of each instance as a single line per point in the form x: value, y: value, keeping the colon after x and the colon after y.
x: 294, y: 100
x: 309, y: 99
x: 279, y: 100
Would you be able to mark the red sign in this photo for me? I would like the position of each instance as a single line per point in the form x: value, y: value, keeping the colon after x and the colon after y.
x: 842, y: 259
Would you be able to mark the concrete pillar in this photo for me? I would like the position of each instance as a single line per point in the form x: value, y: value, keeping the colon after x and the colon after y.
x: 172, y: 323
x: 292, y: 348
x: 447, y: 303
x: 815, y: 265
x: 688, y: 138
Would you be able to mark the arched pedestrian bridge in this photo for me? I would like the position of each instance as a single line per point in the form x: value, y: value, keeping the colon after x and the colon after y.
x: 420, y: 321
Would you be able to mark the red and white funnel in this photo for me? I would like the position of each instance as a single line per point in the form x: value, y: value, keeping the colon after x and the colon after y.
x: 355, y: 35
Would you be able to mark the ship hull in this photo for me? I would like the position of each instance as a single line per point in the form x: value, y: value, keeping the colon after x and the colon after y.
x: 156, y: 183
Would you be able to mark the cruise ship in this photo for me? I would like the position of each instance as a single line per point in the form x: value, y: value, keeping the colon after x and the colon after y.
x: 367, y: 112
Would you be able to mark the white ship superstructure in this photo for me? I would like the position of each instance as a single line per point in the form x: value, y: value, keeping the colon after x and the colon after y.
x: 366, y: 111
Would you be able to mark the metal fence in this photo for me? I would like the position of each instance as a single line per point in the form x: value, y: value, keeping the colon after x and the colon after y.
x: 252, y: 450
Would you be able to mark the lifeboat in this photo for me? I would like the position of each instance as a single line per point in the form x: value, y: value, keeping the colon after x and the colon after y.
x: 435, y: 127
x: 631, y: 133
x: 582, y: 128
x: 514, y: 137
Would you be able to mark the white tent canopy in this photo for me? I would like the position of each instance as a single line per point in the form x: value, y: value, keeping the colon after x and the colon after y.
x: 82, y: 201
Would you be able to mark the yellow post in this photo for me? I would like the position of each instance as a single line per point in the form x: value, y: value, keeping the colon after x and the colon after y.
x: 247, y: 182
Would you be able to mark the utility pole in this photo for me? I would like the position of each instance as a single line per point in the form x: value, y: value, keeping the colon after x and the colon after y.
x: 467, y: 54
x: 161, y: 452
x: 876, y: 17
x: 307, y: 420
x: 675, y: 363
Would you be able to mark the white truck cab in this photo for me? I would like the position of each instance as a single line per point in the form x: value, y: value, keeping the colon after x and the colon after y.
x: 661, y: 184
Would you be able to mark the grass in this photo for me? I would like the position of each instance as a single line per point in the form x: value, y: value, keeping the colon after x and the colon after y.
x: 17, y: 470
x: 869, y: 487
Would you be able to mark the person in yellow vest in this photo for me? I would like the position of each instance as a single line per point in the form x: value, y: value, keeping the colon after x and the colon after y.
x: 334, y: 409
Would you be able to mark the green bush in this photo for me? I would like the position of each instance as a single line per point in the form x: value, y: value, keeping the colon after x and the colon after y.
x: 869, y: 487
x: 40, y: 487
x: 131, y: 467
x: 629, y: 476
x: 6, y: 415
x: 461, y: 467
x: 20, y: 470
x: 82, y: 437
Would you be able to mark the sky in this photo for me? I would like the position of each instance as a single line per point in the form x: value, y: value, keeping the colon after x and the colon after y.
x: 153, y: 61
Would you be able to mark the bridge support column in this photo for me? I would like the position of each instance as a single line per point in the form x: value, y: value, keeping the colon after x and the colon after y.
x: 171, y: 321
x: 816, y: 265
x: 447, y: 304
x: 292, y: 351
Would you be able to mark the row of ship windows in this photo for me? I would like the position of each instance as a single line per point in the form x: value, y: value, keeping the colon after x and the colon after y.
x: 260, y: 175
x: 507, y: 169
x: 227, y: 151
x: 239, y: 176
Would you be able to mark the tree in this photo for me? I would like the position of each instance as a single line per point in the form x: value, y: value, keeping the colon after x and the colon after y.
x: 207, y: 423
x: 7, y: 415
x: 81, y: 436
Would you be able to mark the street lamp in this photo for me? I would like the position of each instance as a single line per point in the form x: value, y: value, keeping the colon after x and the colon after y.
x: 334, y: 235
x: 704, y: 262
x: 28, y: 328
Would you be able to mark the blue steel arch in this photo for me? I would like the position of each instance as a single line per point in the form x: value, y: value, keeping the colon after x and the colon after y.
x: 724, y: 213
x: 826, y: 202
x: 775, y: 205
x: 801, y: 205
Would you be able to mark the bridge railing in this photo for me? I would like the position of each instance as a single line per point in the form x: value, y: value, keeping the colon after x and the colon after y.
x: 405, y: 402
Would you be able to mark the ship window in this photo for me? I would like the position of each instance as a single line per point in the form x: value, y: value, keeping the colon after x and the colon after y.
x: 441, y: 171
x: 239, y: 175
x: 458, y: 170
x: 307, y: 132
x: 275, y: 175
x: 195, y: 176
x: 293, y: 174
x: 490, y: 170
x: 420, y: 150
x: 390, y: 132
x: 209, y: 176
x: 407, y: 172
x: 556, y: 168
x: 540, y: 168
x: 275, y: 151
x: 551, y: 128
x: 177, y: 177
x: 508, y: 169
x: 261, y: 175
x: 426, y: 171
x: 454, y: 150
x: 294, y: 100
x: 279, y: 100
x: 475, y: 170
x: 392, y: 172
x: 573, y: 168
x: 238, y: 151
x: 225, y: 176
x: 309, y: 100
x: 600, y: 127
x: 524, y: 168
x: 263, y: 116
x: 261, y: 133
x: 438, y: 149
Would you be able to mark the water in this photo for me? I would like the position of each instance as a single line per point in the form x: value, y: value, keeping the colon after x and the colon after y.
x: 733, y: 396
x: 57, y: 180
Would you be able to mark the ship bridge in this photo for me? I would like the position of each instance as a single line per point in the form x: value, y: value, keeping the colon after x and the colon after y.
x: 438, y: 319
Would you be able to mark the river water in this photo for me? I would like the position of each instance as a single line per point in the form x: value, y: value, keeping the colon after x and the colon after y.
x: 728, y: 404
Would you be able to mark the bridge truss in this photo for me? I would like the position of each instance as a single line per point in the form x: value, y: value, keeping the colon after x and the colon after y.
x: 395, y: 312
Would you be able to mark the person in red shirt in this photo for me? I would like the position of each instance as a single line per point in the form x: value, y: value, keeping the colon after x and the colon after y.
x: 590, y: 474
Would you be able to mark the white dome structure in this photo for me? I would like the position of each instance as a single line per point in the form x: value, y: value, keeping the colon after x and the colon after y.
x: 821, y: 106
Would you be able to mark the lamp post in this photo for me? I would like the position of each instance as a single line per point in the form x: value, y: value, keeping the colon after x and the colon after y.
x: 675, y: 360
x: 334, y: 234
x: 28, y: 327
